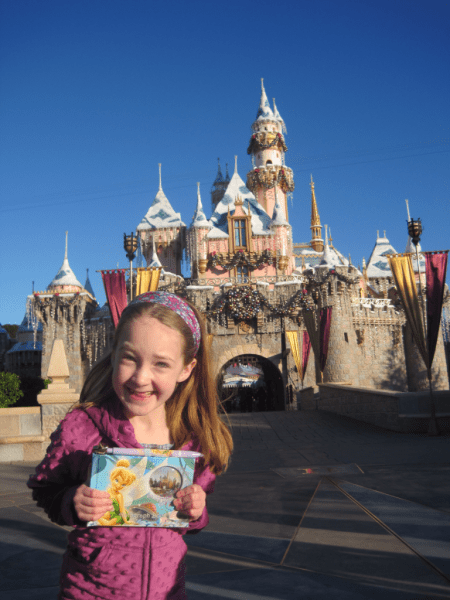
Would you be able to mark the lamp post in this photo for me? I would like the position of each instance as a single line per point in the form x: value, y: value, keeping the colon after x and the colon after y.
x: 130, y: 246
x: 415, y: 231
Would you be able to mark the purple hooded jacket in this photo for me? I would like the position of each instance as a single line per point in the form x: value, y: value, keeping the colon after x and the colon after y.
x: 135, y: 563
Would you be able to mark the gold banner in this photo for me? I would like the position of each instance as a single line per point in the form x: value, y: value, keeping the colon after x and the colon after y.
x: 293, y: 341
x: 402, y: 270
x: 147, y: 279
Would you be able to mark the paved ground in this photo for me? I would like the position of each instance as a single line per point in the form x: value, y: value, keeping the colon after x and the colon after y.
x: 313, y: 506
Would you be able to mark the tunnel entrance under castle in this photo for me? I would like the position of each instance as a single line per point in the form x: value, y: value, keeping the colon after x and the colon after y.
x: 251, y: 383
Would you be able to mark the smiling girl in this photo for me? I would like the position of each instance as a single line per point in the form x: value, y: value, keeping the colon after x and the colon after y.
x: 154, y: 390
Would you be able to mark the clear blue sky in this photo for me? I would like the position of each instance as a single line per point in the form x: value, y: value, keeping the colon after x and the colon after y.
x: 94, y: 94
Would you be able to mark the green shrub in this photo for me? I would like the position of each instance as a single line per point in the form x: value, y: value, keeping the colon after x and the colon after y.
x: 10, y: 390
x: 31, y: 386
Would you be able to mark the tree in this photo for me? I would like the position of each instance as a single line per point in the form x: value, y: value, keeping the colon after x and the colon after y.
x: 12, y: 330
x: 10, y: 390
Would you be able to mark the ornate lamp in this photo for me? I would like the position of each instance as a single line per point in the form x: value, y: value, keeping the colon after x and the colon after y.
x: 130, y: 243
x: 415, y: 231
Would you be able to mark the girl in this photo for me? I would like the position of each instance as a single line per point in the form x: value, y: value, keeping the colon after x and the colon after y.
x: 155, y: 388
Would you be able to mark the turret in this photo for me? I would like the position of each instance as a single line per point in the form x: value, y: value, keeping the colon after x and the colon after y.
x: 267, y: 148
x: 65, y: 280
x: 163, y: 226
x: 197, y: 238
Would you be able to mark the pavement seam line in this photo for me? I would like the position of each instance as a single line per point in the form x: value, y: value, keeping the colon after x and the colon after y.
x: 389, y: 530
x: 299, y: 525
x: 397, y: 497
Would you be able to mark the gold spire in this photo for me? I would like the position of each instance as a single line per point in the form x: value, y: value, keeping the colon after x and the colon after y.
x: 316, y: 227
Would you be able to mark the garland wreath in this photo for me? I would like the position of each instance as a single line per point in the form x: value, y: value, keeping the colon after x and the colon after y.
x: 257, y: 139
x: 244, y: 303
x: 240, y: 259
x: 321, y: 280
x: 268, y: 179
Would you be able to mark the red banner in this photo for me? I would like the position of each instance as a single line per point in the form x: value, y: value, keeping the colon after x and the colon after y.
x: 436, y: 268
x: 306, y: 348
x: 116, y: 292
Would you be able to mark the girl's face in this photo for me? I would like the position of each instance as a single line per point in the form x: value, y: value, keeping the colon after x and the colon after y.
x: 147, y: 365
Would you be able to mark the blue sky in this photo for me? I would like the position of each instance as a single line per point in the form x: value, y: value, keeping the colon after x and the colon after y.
x: 95, y: 94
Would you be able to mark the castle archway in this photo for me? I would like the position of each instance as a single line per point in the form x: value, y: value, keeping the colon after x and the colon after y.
x: 251, y: 383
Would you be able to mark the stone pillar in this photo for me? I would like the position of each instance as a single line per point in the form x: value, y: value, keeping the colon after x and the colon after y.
x: 59, y: 397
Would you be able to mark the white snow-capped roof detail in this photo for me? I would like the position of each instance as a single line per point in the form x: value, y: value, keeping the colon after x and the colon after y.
x: 277, y: 116
x: 160, y: 215
x: 87, y: 285
x: 259, y: 218
x: 199, y: 219
x: 278, y: 217
x: 264, y: 110
x: 65, y: 275
x: 378, y: 265
x: 155, y: 262
x: 327, y: 259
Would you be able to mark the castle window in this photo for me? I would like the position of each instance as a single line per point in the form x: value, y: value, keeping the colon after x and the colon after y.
x: 242, y: 274
x: 268, y: 162
x: 240, y: 238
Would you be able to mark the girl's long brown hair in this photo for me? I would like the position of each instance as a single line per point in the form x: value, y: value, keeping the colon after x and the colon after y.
x: 193, y: 410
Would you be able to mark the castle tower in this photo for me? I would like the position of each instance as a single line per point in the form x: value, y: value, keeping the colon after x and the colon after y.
x: 63, y: 308
x: 197, y: 239
x: 219, y: 187
x: 283, y: 238
x: 316, y: 227
x: 163, y: 226
x: 267, y: 148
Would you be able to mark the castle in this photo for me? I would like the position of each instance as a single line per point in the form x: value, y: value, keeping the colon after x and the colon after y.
x: 255, y: 287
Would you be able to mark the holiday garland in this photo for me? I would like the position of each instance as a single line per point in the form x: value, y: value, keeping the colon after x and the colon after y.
x: 240, y: 259
x: 244, y: 303
x: 268, y: 178
x: 258, y: 142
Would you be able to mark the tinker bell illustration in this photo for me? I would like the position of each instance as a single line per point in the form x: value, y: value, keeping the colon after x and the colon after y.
x: 128, y: 485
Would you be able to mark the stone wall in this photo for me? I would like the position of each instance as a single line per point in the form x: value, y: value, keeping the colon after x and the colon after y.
x: 397, y: 411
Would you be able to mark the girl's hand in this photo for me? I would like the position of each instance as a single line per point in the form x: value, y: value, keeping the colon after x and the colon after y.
x: 191, y: 501
x: 90, y: 504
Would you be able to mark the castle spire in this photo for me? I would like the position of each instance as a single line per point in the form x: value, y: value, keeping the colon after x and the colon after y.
x: 199, y: 219
x: 264, y: 110
x: 278, y: 117
x: 65, y: 276
x: 65, y: 253
x: 316, y: 227
x: 219, y: 177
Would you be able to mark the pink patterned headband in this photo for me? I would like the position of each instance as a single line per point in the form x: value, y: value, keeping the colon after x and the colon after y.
x: 176, y: 304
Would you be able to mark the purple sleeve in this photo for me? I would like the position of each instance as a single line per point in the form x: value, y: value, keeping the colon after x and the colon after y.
x: 64, y: 468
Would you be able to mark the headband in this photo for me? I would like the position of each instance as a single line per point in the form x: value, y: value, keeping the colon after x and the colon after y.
x: 176, y: 304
